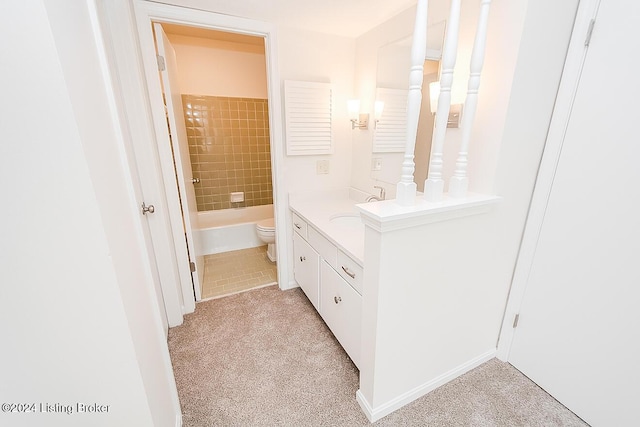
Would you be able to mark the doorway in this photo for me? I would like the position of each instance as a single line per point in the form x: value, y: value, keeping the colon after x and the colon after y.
x: 154, y: 116
x: 223, y: 156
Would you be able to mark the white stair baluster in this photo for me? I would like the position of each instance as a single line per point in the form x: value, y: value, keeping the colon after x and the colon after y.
x: 459, y: 182
x: 406, y: 188
x: 434, y: 184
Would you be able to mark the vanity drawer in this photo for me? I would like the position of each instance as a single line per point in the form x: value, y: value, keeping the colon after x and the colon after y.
x: 324, y: 247
x: 350, y: 271
x: 299, y: 225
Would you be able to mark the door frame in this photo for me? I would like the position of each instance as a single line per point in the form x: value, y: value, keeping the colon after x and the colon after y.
x: 576, y: 54
x: 120, y: 42
x: 146, y: 13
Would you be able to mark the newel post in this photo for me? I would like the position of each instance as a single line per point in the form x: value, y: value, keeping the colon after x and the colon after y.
x: 434, y: 185
x: 459, y: 182
x: 406, y: 188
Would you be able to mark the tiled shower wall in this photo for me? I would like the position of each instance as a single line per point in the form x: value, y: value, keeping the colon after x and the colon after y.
x: 229, y: 148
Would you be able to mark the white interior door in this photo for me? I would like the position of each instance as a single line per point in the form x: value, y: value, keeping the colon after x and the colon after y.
x: 178, y: 136
x: 578, y: 335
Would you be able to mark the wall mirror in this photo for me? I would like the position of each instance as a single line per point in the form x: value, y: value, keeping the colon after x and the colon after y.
x: 392, y: 84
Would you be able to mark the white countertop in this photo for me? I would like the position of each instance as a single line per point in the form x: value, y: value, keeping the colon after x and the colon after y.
x: 320, y: 210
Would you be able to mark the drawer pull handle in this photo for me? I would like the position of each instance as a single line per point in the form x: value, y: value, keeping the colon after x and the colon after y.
x: 303, y: 258
x: 346, y: 270
x: 297, y: 226
x: 337, y: 299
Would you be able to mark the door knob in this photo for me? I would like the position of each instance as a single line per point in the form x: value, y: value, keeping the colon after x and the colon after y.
x: 147, y: 209
x: 195, y: 180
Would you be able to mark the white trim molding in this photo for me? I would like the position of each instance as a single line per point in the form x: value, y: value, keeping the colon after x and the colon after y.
x: 374, y: 414
x: 389, y: 216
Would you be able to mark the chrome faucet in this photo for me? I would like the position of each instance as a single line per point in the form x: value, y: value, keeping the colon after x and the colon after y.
x: 372, y: 197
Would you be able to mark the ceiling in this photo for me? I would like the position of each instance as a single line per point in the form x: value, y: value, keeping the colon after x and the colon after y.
x: 349, y: 18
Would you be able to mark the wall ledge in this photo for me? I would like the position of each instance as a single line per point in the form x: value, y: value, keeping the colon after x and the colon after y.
x: 387, y: 215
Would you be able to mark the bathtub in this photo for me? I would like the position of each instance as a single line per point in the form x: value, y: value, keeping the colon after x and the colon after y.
x: 231, y: 229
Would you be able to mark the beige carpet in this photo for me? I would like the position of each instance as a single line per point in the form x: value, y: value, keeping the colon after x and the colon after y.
x: 266, y: 358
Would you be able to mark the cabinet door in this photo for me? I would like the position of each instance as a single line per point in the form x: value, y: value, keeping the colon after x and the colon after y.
x: 305, y: 269
x: 341, y: 310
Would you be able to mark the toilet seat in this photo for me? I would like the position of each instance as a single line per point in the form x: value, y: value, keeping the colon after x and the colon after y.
x: 266, y: 225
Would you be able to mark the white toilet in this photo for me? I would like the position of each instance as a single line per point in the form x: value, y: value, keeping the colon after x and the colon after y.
x: 266, y: 230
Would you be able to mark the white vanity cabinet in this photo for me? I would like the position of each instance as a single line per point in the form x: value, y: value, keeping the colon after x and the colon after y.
x: 333, y: 283
x: 305, y: 270
x: 341, y: 310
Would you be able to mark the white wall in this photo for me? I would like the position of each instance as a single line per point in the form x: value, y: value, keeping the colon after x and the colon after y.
x: 310, y: 56
x: 220, y: 68
x: 423, y: 314
x: 78, y: 313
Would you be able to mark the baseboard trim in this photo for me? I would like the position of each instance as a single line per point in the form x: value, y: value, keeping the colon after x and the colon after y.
x: 366, y: 408
x: 179, y: 419
x: 374, y: 414
x: 292, y: 284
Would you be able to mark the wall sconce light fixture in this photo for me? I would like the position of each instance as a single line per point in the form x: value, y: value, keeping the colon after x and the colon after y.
x: 358, y: 120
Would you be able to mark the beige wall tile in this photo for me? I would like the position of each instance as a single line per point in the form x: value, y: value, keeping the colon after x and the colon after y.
x: 229, y: 149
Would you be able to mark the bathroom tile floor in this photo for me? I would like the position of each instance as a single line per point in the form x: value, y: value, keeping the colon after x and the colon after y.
x: 235, y: 271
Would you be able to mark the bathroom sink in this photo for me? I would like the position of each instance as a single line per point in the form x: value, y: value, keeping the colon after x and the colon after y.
x: 346, y: 219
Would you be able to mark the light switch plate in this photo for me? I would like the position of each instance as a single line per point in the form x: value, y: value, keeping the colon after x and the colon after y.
x: 376, y: 164
x: 322, y: 167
